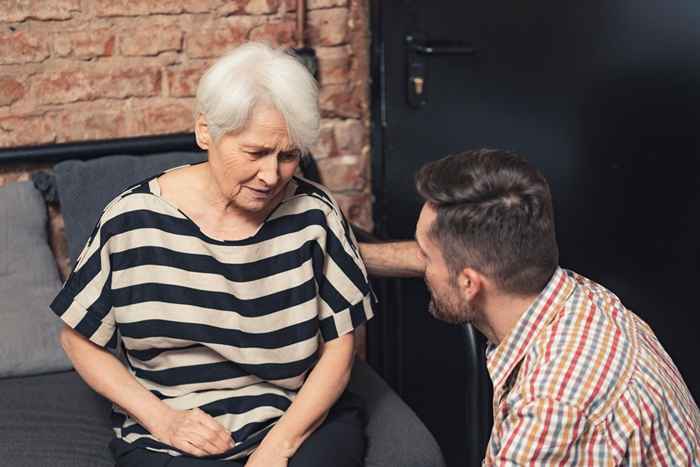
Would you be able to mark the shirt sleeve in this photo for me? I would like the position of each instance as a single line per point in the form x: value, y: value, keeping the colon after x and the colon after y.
x: 344, y: 292
x: 539, y: 432
x: 85, y: 302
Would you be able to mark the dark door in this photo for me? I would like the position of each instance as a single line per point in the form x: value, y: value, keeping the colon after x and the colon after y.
x: 603, y: 96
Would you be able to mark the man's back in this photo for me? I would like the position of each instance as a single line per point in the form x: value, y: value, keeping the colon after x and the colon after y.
x: 582, y: 380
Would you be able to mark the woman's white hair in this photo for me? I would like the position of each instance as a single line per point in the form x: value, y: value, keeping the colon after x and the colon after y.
x: 256, y: 73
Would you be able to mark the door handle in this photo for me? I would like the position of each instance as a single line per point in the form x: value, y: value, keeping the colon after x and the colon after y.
x: 418, y: 44
x: 417, y: 47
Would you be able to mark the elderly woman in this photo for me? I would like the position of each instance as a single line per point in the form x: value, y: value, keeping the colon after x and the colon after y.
x: 233, y: 288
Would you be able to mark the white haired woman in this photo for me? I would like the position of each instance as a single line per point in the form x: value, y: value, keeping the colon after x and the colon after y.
x: 233, y: 287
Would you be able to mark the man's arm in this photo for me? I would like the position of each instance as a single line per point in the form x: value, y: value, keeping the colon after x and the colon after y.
x: 394, y: 259
x: 540, y: 432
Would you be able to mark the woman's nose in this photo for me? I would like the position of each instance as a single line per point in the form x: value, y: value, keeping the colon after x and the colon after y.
x: 269, y: 169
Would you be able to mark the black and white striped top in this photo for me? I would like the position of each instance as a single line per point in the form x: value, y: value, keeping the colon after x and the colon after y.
x: 231, y: 327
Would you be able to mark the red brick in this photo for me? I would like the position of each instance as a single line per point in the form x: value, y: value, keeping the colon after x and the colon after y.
x: 85, y: 44
x: 231, y: 7
x: 340, y: 100
x: 19, y: 10
x: 350, y: 136
x: 150, y: 40
x: 174, y: 117
x: 277, y: 34
x: 21, y: 47
x: 333, y: 64
x: 342, y: 173
x: 357, y: 207
x: 316, y: 4
x: 148, y: 7
x: 183, y: 81
x: 216, y: 41
x: 23, y: 130
x: 21, y: 175
x: 262, y: 7
x: 60, y: 87
x: 325, y: 146
x: 328, y: 27
x: 88, y: 124
x: 11, y: 90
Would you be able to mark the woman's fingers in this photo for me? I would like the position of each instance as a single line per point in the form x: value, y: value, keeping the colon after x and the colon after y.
x: 202, y: 440
x: 198, y: 434
x: 216, y: 428
x: 189, y: 448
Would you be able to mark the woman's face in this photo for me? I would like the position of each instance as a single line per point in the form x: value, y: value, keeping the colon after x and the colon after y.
x: 252, y: 166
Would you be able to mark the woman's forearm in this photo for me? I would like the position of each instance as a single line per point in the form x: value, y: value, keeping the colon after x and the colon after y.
x: 322, y: 388
x: 394, y: 259
x: 107, y: 375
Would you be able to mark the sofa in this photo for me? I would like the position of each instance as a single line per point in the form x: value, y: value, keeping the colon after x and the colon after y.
x: 49, y: 416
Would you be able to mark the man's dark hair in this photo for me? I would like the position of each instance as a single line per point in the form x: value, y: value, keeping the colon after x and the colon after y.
x: 495, y: 215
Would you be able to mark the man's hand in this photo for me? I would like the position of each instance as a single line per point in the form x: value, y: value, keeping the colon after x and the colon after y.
x: 195, y: 432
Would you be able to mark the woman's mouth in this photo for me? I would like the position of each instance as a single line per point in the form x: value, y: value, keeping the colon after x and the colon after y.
x: 260, y: 192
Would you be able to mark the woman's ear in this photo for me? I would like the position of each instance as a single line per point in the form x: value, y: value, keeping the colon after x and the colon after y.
x: 201, y: 131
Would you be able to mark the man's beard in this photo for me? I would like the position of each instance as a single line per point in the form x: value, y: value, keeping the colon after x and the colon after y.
x: 452, y: 310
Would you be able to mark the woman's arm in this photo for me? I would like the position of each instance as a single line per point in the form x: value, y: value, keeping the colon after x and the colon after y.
x: 191, y: 431
x: 322, y: 388
x: 394, y: 259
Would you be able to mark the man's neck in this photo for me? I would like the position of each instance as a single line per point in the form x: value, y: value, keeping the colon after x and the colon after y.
x: 500, y: 314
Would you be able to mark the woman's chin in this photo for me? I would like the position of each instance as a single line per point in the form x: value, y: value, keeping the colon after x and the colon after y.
x: 255, y: 204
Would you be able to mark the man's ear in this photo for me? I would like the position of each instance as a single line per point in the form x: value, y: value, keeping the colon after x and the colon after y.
x: 470, y: 282
x: 201, y: 131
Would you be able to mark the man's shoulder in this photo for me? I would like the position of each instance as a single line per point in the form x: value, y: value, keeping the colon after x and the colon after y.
x: 586, y: 355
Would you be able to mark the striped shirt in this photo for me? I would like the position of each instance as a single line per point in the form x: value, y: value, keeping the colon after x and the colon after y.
x: 581, y: 380
x: 230, y: 327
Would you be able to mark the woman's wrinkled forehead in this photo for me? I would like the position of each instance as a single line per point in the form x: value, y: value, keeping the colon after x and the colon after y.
x: 266, y: 129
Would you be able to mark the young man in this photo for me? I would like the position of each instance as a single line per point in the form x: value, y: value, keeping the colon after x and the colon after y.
x: 578, y: 379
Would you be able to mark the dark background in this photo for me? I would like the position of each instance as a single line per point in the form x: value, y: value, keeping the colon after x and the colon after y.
x: 603, y: 97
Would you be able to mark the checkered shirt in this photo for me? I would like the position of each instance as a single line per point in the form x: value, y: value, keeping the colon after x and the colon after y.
x: 581, y: 380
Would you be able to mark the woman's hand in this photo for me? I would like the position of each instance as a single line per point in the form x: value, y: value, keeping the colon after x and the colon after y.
x: 194, y: 432
x: 267, y: 456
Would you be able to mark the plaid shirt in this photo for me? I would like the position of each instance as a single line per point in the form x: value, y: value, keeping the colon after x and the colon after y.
x: 581, y: 380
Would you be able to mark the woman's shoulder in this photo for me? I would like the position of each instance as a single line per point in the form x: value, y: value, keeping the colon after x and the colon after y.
x: 138, y: 201
x: 148, y: 190
x: 307, y: 197
x: 130, y: 196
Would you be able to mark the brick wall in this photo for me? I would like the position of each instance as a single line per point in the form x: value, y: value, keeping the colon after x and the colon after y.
x: 75, y: 70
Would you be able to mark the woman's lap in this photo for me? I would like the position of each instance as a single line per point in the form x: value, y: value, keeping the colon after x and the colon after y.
x: 339, y: 441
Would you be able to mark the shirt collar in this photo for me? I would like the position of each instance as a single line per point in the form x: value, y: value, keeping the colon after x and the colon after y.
x: 501, y: 360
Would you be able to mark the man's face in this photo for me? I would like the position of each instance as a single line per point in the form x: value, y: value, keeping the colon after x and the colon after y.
x: 447, y: 303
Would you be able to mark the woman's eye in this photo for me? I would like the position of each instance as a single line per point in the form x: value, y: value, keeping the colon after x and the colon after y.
x: 289, y: 156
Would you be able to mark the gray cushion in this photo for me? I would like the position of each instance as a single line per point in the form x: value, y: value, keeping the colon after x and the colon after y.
x: 28, y: 283
x: 53, y: 420
x: 395, y: 434
x: 85, y: 187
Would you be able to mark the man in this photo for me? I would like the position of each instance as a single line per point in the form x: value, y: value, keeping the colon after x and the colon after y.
x: 578, y: 379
